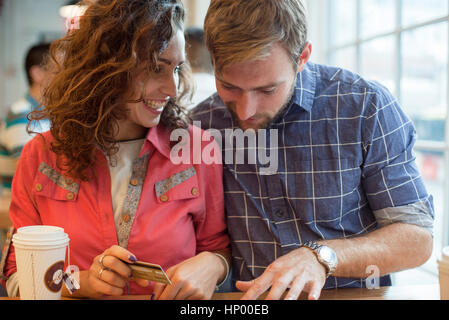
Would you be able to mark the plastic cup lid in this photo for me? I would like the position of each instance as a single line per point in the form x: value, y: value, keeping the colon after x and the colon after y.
x: 40, y: 234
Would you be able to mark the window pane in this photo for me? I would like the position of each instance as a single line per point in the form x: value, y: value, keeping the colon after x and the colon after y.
x: 345, y: 58
x: 433, y: 170
x: 379, y: 63
x: 378, y: 16
x: 424, y: 79
x: 417, y: 11
x: 344, y: 21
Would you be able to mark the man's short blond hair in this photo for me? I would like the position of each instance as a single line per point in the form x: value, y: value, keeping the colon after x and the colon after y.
x: 245, y: 30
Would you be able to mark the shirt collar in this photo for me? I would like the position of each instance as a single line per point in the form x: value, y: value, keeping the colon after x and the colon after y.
x: 304, y: 94
x: 158, y: 138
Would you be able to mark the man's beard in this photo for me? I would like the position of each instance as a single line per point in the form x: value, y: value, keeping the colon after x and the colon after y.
x: 266, y: 118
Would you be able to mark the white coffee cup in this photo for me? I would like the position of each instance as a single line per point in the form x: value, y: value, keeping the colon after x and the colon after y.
x: 443, y: 272
x: 40, y: 255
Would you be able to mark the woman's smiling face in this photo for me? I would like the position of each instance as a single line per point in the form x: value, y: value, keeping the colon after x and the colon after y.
x: 154, y: 92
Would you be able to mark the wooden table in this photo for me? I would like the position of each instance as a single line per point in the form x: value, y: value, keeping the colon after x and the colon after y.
x: 421, y: 292
x: 5, y: 223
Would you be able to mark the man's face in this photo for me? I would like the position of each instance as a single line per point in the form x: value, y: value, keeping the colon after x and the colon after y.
x: 256, y: 91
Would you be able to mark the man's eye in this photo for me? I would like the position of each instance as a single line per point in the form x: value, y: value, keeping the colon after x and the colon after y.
x: 177, y: 69
x: 269, y: 91
x: 227, y: 87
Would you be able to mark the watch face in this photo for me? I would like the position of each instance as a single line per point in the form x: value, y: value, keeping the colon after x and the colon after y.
x: 328, y: 255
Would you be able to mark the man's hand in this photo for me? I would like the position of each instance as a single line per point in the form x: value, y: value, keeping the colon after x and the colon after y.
x: 298, y: 270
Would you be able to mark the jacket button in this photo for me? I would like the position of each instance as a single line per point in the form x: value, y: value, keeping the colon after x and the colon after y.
x: 126, y: 218
x: 194, y: 191
x: 38, y: 187
x: 70, y: 196
x: 134, y: 182
x: 279, y: 213
x: 164, y: 198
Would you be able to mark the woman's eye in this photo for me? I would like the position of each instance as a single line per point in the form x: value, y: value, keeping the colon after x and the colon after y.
x: 158, y: 70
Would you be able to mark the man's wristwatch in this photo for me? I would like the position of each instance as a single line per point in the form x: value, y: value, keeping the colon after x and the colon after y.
x: 325, y: 255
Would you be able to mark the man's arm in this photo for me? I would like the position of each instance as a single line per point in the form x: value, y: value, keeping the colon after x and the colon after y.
x: 391, y: 248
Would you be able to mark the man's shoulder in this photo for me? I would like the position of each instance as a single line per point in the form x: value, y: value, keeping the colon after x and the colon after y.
x: 330, y: 76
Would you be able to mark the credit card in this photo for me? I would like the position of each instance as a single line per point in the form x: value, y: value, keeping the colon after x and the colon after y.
x: 148, y: 271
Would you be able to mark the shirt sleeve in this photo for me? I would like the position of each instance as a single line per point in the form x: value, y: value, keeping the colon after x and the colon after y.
x: 12, y: 285
x: 417, y: 214
x: 210, y: 226
x: 390, y: 175
x: 22, y: 211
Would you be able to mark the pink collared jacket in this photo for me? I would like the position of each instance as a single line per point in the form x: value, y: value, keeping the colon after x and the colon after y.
x: 171, y: 212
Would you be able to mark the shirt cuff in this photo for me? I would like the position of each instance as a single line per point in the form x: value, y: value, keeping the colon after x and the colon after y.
x: 12, y: 285
x: 417, y: 214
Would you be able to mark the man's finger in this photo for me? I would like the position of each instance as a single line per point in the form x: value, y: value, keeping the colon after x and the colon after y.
x: 296, y: 288
x: 258, y: 287
x: 315, y: 291
x: 279, y: 286
x: 243, y: 285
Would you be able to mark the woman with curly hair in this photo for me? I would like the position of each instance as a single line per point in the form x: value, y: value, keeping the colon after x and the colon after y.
x: 103, y: 171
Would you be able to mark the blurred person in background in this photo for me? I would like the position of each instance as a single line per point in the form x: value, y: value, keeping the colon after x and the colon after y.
x: 13, y: 130
x: 103, y: 172
x: 201, y: 64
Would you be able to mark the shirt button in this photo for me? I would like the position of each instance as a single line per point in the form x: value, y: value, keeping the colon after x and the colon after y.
x: 279, y: 213
x: 194, y: 191
x: 70, y: 196
x: 38, y: 187
x: 126, y: 218
x: 134, y: 182
x: 164, y: 198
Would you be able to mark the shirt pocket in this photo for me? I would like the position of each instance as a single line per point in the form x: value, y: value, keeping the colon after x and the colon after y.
x: 49, y: 183
x: 182, y: 185
x: 326, y: 188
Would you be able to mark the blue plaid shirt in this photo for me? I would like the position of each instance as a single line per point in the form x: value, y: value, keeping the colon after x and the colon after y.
x: 345, y: 155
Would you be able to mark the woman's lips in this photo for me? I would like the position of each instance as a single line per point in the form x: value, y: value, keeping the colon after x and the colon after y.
x: 155, y: 106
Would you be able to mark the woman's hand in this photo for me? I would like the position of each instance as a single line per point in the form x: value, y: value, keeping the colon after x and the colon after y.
x: 109, y: 274
x: 193, y: 279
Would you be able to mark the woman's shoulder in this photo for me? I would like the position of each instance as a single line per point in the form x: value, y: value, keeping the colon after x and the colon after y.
x: 38, y: 146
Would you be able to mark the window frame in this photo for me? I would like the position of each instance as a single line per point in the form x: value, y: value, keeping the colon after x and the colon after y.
x: 421, y: 145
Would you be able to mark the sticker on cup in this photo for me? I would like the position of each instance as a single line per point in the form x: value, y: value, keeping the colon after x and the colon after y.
x: 53, y: 276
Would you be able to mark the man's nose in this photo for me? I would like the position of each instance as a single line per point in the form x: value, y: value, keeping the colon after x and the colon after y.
x: 246, y: 106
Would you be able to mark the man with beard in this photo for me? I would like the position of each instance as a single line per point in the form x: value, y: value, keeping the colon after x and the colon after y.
x: 347, y: 197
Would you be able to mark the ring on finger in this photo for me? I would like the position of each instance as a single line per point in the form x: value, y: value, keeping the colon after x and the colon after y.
x: 100, y: 272
x: 101, y: 260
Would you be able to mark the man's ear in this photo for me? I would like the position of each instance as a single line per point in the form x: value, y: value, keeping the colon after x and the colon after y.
x: 305, y: 56
x: 37, y: 74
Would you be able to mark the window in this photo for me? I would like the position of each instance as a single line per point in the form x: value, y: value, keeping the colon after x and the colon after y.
x: 404, y: 45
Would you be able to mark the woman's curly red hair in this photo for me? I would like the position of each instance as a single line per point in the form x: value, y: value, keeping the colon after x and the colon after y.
x: 94, y: 67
